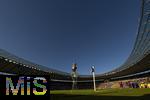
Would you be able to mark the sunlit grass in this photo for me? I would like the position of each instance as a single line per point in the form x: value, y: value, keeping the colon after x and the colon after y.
x: 118, y: 92
x: 106, y: 94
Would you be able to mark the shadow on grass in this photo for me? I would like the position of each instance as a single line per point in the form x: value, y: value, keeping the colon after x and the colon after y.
x: 97, y: 97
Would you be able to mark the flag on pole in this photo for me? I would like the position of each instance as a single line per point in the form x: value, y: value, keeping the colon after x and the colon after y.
x: 93, y: 72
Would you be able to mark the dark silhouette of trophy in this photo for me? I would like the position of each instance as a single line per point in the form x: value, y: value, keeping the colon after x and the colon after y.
x: 74, y: 76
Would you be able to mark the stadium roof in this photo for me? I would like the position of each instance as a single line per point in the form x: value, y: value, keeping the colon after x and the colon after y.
x: 12, y: 58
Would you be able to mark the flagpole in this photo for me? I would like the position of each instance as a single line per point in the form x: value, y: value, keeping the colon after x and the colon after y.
x: 93, y: 72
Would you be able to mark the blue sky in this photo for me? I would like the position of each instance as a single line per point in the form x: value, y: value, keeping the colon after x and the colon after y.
x: 55, y: 32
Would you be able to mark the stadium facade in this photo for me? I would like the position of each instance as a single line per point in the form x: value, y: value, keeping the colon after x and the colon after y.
x: 137, y: 64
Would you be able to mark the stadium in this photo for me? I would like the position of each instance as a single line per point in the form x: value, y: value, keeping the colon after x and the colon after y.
x: 131, y: 80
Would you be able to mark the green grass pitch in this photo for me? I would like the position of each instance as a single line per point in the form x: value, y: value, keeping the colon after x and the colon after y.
x: 104, y: 94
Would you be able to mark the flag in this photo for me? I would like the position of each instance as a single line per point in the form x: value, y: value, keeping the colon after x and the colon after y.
x: 93, y: 69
